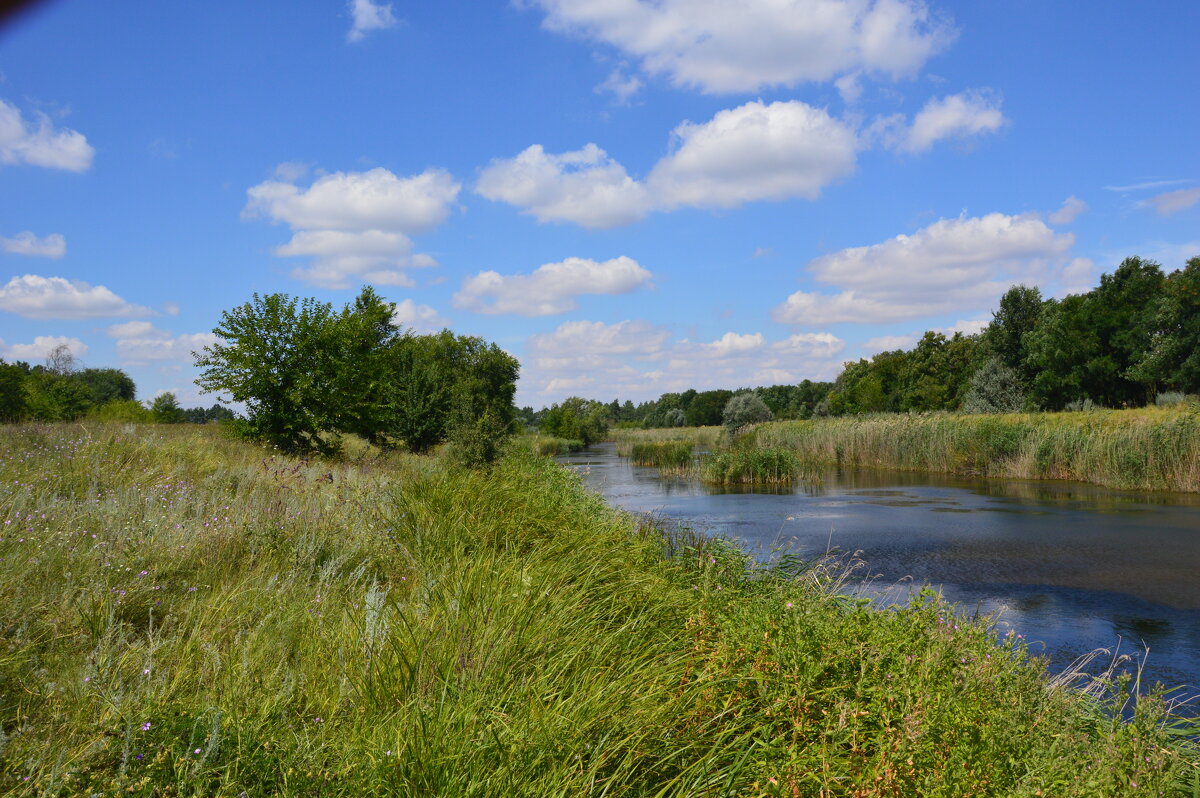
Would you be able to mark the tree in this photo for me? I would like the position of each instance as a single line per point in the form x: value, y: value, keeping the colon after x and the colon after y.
x: 675, y: 418
x: 107, y: 385
x: 994, y: 388
x: 283, y: 359
x: 576, y: 419
x: 744, y: 409
x: 1019, y: 312
x: 12, y: 392
x: 166, y: 410
x: 1172, y: 358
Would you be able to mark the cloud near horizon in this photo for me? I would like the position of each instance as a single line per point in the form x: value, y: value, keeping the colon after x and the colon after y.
x: 552, y: 288
x: 953, y: 265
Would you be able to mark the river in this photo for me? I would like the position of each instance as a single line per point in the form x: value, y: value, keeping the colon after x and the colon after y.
x: 1073, y: 567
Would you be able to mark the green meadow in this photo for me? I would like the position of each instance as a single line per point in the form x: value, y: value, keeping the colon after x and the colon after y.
x: 184, y: 614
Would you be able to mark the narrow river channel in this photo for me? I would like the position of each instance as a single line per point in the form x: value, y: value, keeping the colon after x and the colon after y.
x: 1073, y: 567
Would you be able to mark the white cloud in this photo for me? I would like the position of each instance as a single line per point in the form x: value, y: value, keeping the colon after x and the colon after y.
x: 40, y: 144
x: 1069, y: 212
x: 551, y: 288
x: 751, y: 45
x: 368, y: 17
x: 620, y: 85
x: 953, y: 264
x: 957, y: 116
x: 41, y: 347
x: 421, y: 318
x: 140, y: 343
x: 890, y: 343
x: 638, y: 360
x: 1171, y: 202
x: 584, y: 186
x: 136, y: 329
x: 26, y: 243
x: 734, y: 343
x: 36, y: 297
x: 1146, y: 184
x: 754, y: 152
x: 355, y: 225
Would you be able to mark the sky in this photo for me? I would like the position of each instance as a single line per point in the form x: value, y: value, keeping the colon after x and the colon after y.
x: 630, y: 196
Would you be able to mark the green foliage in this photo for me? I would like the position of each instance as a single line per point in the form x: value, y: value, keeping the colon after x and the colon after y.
x: 578, y: 419
x: 166, y: 410
x: 674, y: 418
x: 107, y: 385
x: 12, y: 392
x: 750, y: 466
x: 663, y: 454
x: 51, y: 396
x: 1173, y: 356
x: 744, y: 409
x: 994, y: 388
x: 1005, y: 337
x: 308, y: 374
x: 124, y: 410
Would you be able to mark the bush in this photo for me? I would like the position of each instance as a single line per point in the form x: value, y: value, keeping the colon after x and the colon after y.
x: 744, y: 409
x: 1170, y: 398
x: 994, y: 388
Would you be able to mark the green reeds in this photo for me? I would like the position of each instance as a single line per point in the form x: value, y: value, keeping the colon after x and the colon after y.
x: 1149, y: 448
x: 550, y: 446
x: 673, y: 455
x: 750, y: 467
x: 702, y: 437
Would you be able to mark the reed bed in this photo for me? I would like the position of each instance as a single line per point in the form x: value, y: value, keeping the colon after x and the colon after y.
x: 1150, y: 448
x: 548, y: 445
x: 185, y: 615
x: 750, y: 467
x: 670, y: 455
x: 700, y: 437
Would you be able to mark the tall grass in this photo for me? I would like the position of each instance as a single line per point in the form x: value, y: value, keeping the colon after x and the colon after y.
x: 701, y: 437
x: 670, y: 455
x: 745, y: 466
x: 187, y: 615
x: 1151, y: 448
x: 548, y: 445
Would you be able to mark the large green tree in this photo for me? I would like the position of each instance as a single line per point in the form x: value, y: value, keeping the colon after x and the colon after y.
x: 1172, y: 359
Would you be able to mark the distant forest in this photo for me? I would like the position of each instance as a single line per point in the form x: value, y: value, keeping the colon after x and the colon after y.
x: 1130, y: 341
x: 61, y: 390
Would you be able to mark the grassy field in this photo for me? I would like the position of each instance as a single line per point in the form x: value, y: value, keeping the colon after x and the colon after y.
x: 183, y: 614
x: 1150, y: 448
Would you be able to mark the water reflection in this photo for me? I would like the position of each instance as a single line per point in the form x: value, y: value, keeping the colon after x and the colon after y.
x: 1073, y: 566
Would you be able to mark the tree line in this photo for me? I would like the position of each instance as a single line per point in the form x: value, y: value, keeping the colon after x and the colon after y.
x: 308, y: 374
x: 1132, y: 340
x: 61, y: 389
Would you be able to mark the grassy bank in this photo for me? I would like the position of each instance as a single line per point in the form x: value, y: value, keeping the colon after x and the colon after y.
x: 548, y: 445
x: 1149, y: 448
x: 187, y: 615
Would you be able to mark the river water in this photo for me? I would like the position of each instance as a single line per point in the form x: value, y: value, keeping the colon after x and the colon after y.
x: 1073, y: 567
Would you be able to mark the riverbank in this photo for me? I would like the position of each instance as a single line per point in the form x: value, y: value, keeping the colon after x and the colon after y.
x: 1144, y: 449
x: 189, y: 615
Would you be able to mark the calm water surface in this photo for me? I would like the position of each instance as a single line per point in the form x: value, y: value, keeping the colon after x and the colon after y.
x: 1072, y: 566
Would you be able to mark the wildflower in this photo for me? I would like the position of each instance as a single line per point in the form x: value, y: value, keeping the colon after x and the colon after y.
x: 790, y: 605
x: 196, y: 751
x: 146, y: 672
x: 146, y: 726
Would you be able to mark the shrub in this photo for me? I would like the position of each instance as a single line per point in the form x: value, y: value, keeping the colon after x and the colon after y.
x: 1170, y: 398
x: 994, y: 388
x: 743, y: 409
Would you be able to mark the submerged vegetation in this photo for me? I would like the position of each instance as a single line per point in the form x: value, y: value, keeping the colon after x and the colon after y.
x: 186, y: 614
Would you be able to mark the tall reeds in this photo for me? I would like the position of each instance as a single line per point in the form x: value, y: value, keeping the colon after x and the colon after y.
x: 1149, y: 448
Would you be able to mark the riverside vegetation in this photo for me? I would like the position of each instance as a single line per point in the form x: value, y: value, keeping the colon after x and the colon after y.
x: 187, y: 614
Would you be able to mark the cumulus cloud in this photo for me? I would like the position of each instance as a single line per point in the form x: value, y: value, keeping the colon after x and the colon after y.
x: 39, y: 143
x: 552, y: 288
x: 41, y: 347
x: 421, y: 318
x: 1171, y: 202
x: 754, y: 152
x: 748, y: 46
x: 584, y: 186
x: 369, y: 16
x: 638, y: 360
x: 953, y: 264
x: 356, y: 225
x: 957, y: 116
x: 37, y: 297
x: 26, y: 243
x: 1070, y: 210
x: 140, y: 343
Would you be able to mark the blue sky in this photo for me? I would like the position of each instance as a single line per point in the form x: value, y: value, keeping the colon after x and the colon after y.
x: 631, y: 197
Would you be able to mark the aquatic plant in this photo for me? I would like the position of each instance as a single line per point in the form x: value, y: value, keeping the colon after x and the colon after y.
x: 675, y: 455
